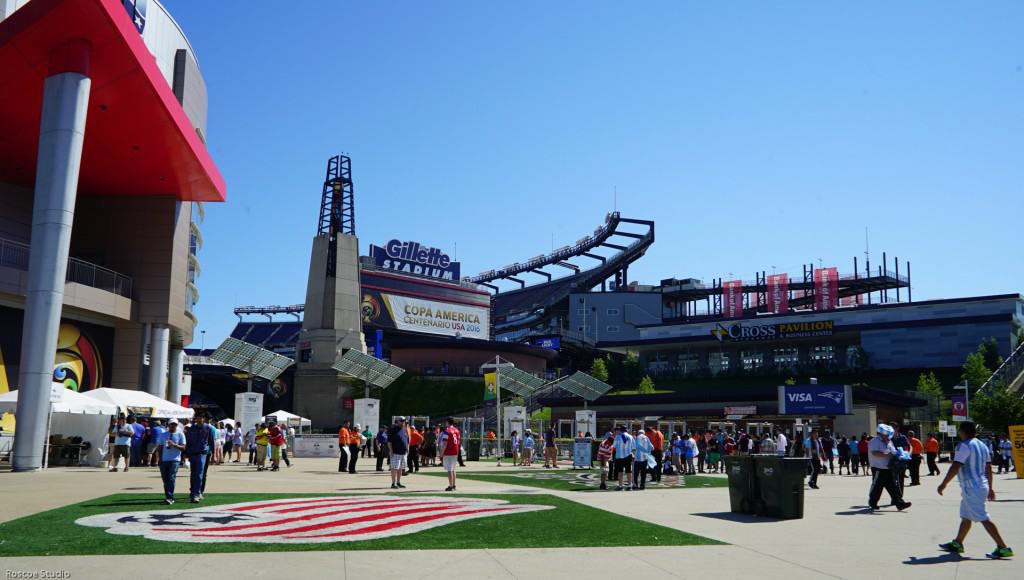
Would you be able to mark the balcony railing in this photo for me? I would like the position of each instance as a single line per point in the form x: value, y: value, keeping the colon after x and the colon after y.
x: 15, y: 255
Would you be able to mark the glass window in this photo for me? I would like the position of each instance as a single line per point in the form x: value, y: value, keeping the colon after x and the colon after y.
x: 752, y: 359
x: 718, y: 361
x: 786, y: 356
x: 824, y: 352
x: 612, y: 312
x: 611, y: 329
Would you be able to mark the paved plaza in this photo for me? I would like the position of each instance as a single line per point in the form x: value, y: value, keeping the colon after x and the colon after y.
x: 837, y: 538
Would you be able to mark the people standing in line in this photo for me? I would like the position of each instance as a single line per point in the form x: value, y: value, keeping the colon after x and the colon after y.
x: 854, y: 454
x: 250, y: 443
x: 658, y: 451
x: 229, y: 442
x: 170, y: 443
x: 451, y: 442
x: 355, y: 437
x: 1006, y: 452
x: 781, y: 443
x: 398, y: 448
x: 236, y: 442
x: 882, y: 455
x: 198, y: 446
x: 843, y: 448
x: 676, y: 450
x: 344, y: 438
x: 931, y: 453
x: 702, y: 451
x: 816, y: 453
x: 528, y: 446
x: 863, y: 451
x: 380, y: 448
x: 276, y: 440
x: 367, y: 442
x: 828, y: 443
x: 605, y: 457
x: 138, y: 431
x: 153, y: 451
x: 262, y: 441
x: 691, y: 454
x: 916, y: 451
x: 462, y: 462
x: 624, y: 449
x: 641, y: 463
x: 550, y: 450
x: 429, y: 446
x: 492, y: 439
x: 123, y: 433
x: 516, y: 445
x: 972, y: 466
x: 415, y: 444
x: 767, y: 444
x: 218, y: 443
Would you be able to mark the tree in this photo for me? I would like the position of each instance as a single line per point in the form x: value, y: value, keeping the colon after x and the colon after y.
x: 989, y: 350
x: 646, y: 386
x: 928, y: 383
x: 974, y: 371
x: 929, y: 388
x: 599, y: 370
x: 790, y: 381
x: 998, y: 410
x: 631, y: 367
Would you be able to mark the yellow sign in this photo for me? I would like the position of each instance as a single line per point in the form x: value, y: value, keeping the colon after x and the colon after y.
x: 1017, y: 438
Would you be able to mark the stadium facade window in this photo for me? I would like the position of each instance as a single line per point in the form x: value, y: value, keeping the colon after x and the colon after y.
x: 786, y: 356
x: 581, y: 311
x: 823, y: 353
x: 718, y: 362
x: 611, y: 329
x: 688, y: 362
x: 612, y: 312
x: 752, y: 359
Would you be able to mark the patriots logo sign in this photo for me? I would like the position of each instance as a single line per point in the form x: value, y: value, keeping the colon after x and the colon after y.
x: 304, y: 520
x: 835, y: 396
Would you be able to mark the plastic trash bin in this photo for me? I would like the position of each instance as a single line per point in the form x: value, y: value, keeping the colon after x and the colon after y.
x: 781, y: 484
x: 472, y: 450
x: 742, y: 484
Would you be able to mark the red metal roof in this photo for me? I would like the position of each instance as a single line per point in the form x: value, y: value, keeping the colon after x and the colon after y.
x: 138, y: 140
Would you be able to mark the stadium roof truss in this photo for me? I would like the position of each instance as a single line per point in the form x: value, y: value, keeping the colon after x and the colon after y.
x: 364, y: 367
x: 252, y: 359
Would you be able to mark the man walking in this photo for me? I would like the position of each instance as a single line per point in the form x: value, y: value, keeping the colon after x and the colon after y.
x: 380, y: 447
x: 931, y: 452
x: 605, y: 456
x: 344, y: 437
x: 138, y: 431
x: 828, y: 443
x: 122, y: 443
x: 640, y: 464
x: 881, y: 457
x: 972, y: 465
x: 415, y: 442
x: 170, y: 443
x: 658, y: 445
x: 353, y: 448
x: 916, y: 449
x: 781, y: 443
x: 398, y: 447
x: 624, y: 449
x: 198, y: 444
x: 816, y: 453
x: 450, y: 442
x: 550, y: 451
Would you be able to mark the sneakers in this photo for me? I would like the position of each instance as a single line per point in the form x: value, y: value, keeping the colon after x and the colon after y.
x: 403, y: 487
x: 618, y: 488
x: 1000, y: 553
x: 904, y: 506
x: 449, y: 488
x: 169, y: 501
x: 604, y: 486
x: 394, y: 486
x: 953, y: 547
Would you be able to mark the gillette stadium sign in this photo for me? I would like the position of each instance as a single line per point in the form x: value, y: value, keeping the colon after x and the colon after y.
x: 414, y: 258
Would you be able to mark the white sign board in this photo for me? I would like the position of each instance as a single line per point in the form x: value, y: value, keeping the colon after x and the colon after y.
x: 315, y: 446
x: 951, y: 430
x: 248, y: 410
x: 586, y: 422
x: 943, y: 426
x: 367, y: 413
x: 514, y: 419
x: 56, y: 393
x: 433, y: 317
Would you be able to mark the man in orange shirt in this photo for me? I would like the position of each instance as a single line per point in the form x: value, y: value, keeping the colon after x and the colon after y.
x: 658, y: 442
x: 344, y: 438
x: 916, y: 448
x: 931, y: 451
x: 415, y: 440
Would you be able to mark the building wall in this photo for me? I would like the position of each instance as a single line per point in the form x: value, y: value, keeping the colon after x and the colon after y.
x: 421, y: 358
x: 613, y: 316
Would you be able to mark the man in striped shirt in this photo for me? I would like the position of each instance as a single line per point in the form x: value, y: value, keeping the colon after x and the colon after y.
x: 972, y: 465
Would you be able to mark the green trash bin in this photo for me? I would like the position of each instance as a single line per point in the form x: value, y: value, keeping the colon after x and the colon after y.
x: 742, y: 484
x: 781, y: 484
x: 472, y: 449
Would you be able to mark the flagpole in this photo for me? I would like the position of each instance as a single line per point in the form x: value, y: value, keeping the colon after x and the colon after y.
x: 497, y: 390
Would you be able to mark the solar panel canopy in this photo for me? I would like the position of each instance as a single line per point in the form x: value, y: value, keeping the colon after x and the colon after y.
x: 583, y: 385
x: 519, y: 382
x: 364, y: 367
x: 252, y: 359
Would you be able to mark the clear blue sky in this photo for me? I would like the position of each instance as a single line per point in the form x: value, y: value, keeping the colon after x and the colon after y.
x: 756, y: 134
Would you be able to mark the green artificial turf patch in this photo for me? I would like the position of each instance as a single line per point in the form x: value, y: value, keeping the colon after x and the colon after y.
x: 565, y: 524
x: 580, y: 480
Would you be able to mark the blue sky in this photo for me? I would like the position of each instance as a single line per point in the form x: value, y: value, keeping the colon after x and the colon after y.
x: 756, y: 134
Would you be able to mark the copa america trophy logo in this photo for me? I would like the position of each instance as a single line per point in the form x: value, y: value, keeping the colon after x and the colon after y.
x: 304, y: 521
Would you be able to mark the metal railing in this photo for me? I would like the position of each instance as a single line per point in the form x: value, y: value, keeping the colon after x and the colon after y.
x: 15, y: 255
x: 1010, y: 372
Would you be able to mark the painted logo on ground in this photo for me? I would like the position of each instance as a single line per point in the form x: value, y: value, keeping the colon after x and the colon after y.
x: 304, y: 521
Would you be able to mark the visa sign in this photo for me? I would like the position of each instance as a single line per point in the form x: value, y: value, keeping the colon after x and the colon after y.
x: 815, y: 400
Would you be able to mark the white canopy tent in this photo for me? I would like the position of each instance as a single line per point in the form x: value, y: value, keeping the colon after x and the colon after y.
x: 140, y: 403
x: 291, y: 419
x: 76, y: 415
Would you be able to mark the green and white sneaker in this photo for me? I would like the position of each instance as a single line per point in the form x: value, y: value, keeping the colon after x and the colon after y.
x: 1000, y: 553
x: 953, y: 547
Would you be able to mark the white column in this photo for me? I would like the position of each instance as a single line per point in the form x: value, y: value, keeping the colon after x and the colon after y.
x: 61, y: 133
x: 174, y: 382
x: 160, y: 344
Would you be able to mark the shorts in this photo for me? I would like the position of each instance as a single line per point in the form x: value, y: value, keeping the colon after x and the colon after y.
x: 397, y: 462
x: 972, y: 503
x: 450, y: 462
x: 150, y: 448
x: 120, y: 451
x: 624, y: 465
x: 275, y: 452
x: 228, y: 446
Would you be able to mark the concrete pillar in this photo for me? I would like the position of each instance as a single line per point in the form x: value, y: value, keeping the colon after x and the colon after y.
x: 61, y: 134
x: 160, y: 344
x: 177, y: 369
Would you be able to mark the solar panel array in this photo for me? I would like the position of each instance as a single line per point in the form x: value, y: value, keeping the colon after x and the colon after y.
x: 252, y: 359
x: 583, y: 385
x: 364, y: 367
x: 519, y: 382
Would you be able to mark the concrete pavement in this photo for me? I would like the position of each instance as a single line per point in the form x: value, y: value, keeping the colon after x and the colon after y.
x: 836, y: 539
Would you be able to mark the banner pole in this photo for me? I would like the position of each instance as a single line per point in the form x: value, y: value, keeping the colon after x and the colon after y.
x: 497, y: 391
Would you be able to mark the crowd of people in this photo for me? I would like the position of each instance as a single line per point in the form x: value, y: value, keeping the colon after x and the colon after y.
x: 404, y: 447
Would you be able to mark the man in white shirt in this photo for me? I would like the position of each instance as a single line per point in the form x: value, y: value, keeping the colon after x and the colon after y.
x: 624, y: 449
x: 780, y: 443
x: 880, y: 456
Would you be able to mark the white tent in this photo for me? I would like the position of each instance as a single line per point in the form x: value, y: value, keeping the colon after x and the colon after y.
x: 140, y: 403
x: 76, y: 415
x: 290, y: 419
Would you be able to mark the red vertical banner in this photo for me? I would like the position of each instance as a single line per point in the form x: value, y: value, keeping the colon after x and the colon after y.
x: 826, y: 288
x: 778, y: 293
x: 732, y: 294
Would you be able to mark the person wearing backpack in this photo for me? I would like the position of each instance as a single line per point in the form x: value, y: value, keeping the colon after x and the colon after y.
x: 450, y: 443
x: 624, y: 449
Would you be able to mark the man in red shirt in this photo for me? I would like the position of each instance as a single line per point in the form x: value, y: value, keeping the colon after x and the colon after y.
x: 658, y: 443
x: 916, y: 448
x: 344, y: 438
x: 450, y: 442
x: 931, y: 451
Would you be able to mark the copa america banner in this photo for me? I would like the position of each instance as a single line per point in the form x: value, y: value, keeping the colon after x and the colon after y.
x: 826, y: 288
x: 778, y: 293
x: 732, y: 293
x: 432, y: 317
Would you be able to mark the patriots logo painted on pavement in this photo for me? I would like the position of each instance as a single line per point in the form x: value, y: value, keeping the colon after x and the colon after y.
x: 836, y: 396
x: 304, y: 520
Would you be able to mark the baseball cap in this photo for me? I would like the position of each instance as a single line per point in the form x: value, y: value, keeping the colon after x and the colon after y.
x: 172, y: 421
x: 400, y: 418
x: 886, y: 430
x: 608, y: 434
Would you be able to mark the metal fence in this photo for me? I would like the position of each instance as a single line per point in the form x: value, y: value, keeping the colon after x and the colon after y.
x: 15, y: 255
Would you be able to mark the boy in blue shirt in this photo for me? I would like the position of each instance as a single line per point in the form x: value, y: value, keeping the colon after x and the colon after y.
x: 170, y: 444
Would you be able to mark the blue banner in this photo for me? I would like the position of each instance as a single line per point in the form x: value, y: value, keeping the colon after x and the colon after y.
x: 815, y: 400
x: 554, y: 343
